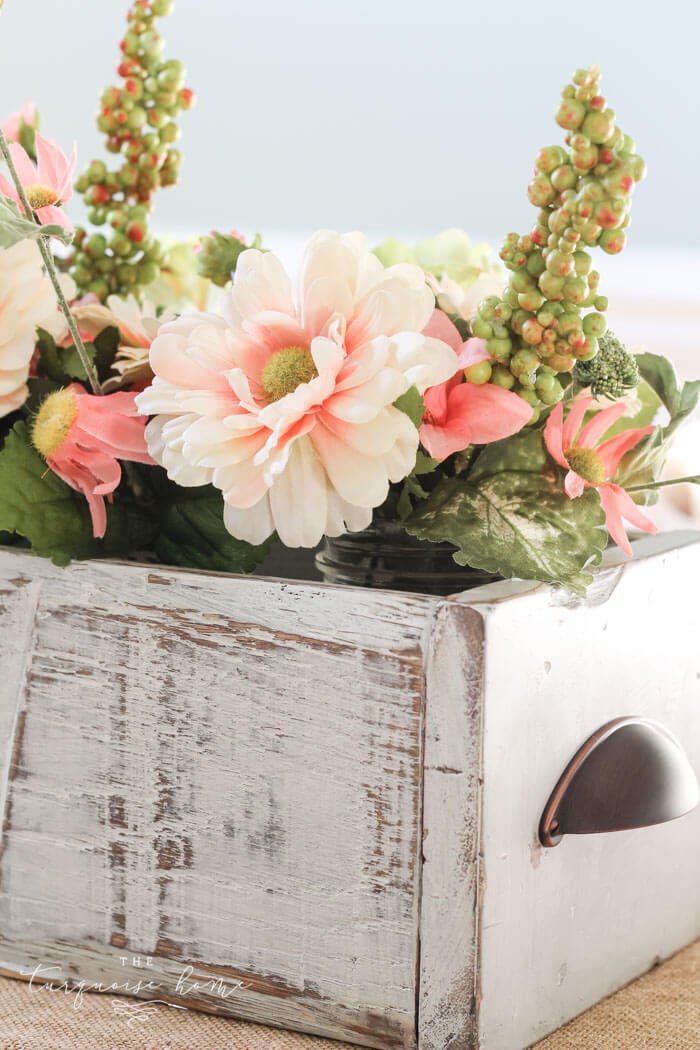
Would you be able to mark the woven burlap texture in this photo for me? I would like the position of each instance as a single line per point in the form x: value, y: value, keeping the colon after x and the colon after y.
x: 661, y: 1011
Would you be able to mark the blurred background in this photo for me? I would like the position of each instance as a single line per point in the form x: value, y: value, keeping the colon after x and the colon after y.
x: 400, y: 118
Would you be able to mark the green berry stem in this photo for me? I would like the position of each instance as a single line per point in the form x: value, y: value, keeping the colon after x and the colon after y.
x: 551, y: 315
x: 50, y: 265
x: 139, y: 118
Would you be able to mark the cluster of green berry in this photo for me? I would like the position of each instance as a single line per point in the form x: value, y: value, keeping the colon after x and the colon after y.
x: 539, y: 328
x: 139, y: 119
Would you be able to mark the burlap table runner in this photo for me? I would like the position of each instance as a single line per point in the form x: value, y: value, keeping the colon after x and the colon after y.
x: 661, y: 1011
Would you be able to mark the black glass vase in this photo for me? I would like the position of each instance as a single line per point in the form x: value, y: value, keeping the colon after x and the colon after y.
x: 385, y: 556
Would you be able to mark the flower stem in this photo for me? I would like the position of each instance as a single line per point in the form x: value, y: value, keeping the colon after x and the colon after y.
x: 50, y: 265
x: 694, y: 479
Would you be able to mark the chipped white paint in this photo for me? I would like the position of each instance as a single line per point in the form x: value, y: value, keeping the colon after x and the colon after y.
x: 562, y: 928
x: 239, y: 774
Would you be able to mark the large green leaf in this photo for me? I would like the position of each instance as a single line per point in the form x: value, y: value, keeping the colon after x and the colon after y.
x: 36, y: 504
x: 14, y: 227
x: 516, y: 524
x: 523, y: 451
x: 192, y: 532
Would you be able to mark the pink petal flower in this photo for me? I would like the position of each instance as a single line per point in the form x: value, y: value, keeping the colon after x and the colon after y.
x: 51, y: 178
x: 470, y: 414
x: 97, y: 432
x: 563, y: 437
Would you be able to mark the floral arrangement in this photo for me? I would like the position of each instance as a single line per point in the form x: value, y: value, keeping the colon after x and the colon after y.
x: 188, y: 403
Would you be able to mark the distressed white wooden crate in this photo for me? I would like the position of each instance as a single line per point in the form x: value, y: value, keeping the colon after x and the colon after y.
x: 328, y: 798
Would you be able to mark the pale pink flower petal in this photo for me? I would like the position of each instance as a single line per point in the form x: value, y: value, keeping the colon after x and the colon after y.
x: 53, y: 216
x: 441, y: 327
x: 612, y: 451
x: 629, y: 510
x: 473, y: 353
x: 320, y: 455
x: 574, y: 485
x: 574, y: 419
x: 26, y: 171
x: 554, y: 435
x: 597, y: 426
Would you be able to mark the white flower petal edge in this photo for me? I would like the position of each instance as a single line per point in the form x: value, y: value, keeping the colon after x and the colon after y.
x: 315, y: 455
x: 27, y: 302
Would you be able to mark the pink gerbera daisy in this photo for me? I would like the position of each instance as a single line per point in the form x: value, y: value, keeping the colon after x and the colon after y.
x: 48, y: 184
x: 592, y: 465
x: 82, y: 437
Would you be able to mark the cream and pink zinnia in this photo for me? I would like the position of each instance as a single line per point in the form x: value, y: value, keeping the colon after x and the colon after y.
x: 286, y: 404
x: 47, y: 184
x: 590, y: 464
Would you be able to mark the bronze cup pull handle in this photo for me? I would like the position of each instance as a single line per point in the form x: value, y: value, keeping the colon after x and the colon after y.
x: 631, y: 773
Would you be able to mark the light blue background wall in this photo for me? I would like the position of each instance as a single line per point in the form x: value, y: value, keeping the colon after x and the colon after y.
x: 390, y: 115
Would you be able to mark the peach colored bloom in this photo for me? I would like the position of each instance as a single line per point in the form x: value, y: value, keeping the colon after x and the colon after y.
x: 27, y: 115
x: 82, y: 437
x: 47, y: 184
x: 460, y: 413
x: 592, y: 465
x: 287, y: 404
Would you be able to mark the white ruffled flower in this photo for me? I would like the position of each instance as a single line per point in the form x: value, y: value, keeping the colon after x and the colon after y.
x: 287, y: 406
x: 27, y: 302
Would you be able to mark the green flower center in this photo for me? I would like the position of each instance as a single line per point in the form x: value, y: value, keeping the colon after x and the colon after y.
x: 587, y: 464
x: 53, y: 421
x: 40, y: 196
x: 286, y: 370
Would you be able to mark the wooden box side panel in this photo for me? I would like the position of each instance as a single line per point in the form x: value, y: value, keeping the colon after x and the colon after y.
x: 451, y: 831
x: 562, y: 928
x: 221, y: 773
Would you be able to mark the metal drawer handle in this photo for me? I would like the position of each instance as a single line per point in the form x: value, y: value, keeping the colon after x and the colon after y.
x: 631, y: 773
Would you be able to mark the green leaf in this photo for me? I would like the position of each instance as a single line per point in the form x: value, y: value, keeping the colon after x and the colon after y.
x: 105, y: 347
x: 55, y: 519
x: 412, y: 404
x: 192, y: 532
x: 62, y: 364
x: 39, y: 389
x: 49, y: 363
x: 73, y: 366
x: 517, y: 525
x: 660, y: 374
x: 14, y: 227
x: 523, y: 451
x: 642, y: 466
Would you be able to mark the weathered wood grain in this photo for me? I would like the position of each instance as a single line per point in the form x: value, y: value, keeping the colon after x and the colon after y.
x: 317, y: 807
x: 562, y: 928
x: 221, y: 772
x: 449, y: 922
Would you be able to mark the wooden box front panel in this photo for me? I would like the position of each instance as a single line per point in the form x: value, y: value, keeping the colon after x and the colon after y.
x: 220, y: 773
